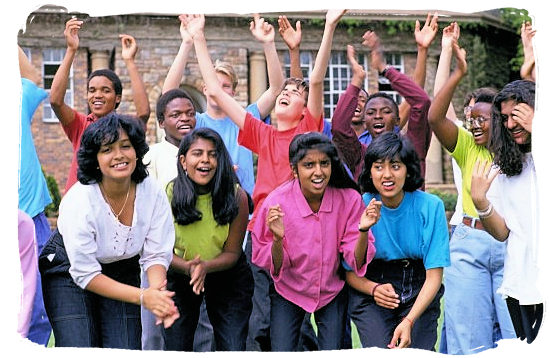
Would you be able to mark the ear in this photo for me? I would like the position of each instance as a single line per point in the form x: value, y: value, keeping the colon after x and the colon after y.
x: 118, y: 98
x: 161, y: 124
x: 204, y: 90
x: 183, y: 163
x: 294, y: 171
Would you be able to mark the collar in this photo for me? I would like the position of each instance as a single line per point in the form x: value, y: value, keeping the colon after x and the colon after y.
x: 301, y: 203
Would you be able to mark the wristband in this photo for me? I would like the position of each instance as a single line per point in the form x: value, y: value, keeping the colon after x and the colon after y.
x: 383, y: 73
x: 408, y: 319
x: 361, y: 229
x: 486, y: 212
x: 374, y: 289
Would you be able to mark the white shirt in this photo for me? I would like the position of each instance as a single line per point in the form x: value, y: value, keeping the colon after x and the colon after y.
x: 515, y: 199
x: 162, y: 160
x: 92, y: 235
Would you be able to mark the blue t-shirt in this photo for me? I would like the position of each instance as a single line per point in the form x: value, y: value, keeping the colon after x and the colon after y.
x: 33, y: 190
x: 241, y: 156
x: 416, y: 229
x: 366, y: 137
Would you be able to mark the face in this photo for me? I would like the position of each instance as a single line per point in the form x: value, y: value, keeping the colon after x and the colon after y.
x: 226, y: 85
x: 518, y: 133
x: 313, y: 171
x: 117, y: 161
x: 388, y: 177
x: 179, y: 119
x: 479, y: 122
x: 200, y: 162
x: 101, y: 96
x: 290, y: 103
x: 380, y: 116
x: 359, y: 115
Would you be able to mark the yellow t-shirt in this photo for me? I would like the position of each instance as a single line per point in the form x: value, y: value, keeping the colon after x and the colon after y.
x: 204, y: 237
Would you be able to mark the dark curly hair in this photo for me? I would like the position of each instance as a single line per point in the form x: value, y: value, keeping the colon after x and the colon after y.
x: 394, y: 104
x: 302, y: 143
x: 390, y: 145
x: 225, y: 204
x: 167, y: 97
x: 509, y: 155
x: 106, y: 131
x: 111, y: 76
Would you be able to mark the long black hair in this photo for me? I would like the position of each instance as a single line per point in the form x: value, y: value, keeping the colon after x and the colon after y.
x: 302, y: 143
x: 390, y: 145
x: 225, y: 204
x: 508, y: 154
x: 106, y: 131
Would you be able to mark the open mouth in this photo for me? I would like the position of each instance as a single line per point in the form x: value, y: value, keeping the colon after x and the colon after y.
x: 184, y: 127
x: 388, y: 185
x: 204, y: 170
x: 284, y: 102
x: 379, y: 126
x: 477, y: 133
x: 120, y: 165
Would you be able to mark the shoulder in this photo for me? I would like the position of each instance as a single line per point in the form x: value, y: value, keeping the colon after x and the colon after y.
x: 426, y: 199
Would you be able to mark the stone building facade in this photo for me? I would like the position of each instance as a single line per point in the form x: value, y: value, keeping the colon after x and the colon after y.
x: 229, y: 39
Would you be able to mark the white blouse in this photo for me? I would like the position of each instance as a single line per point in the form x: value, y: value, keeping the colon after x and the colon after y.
x: 92, y: 235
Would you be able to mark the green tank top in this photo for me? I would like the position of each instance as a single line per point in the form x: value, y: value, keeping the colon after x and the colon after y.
x: 204, y: 237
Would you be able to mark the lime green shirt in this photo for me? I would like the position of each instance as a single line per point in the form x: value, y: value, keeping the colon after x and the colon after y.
x: 466, y: 153
x: 204, y: 237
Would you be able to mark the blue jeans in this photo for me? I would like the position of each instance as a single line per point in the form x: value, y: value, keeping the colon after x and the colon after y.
x: 228, y: 297
x: 40, y: 328
x: 81, y: 318
x: 376, y: 324
x: 475, y: 316
x: 287, y: 319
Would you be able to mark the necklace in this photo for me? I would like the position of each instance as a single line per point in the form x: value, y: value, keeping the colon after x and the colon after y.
x: 109, y: 201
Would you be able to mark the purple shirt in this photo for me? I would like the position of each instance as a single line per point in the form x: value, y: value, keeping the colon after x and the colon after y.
x: 312, y: 243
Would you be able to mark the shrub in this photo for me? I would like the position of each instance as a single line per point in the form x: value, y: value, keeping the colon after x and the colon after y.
x: 52, y: 209
x: 449, y: 198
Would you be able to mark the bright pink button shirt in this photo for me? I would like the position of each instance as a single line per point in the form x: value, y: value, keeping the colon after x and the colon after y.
x: 312, y: 243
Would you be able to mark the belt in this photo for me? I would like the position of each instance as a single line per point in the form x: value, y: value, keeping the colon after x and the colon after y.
x: 473, y: 222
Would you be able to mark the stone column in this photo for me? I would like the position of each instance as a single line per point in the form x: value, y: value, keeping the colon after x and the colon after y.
x: 100, y: 59
x: 258, y: 76
x: 434, y: 162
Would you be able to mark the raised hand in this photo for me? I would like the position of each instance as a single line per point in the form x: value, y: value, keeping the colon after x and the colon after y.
x: 482, y: 177
x: 290, y: 36
x: 262, y: 30
x: 185, y: 35
x: 333, y: 16
x: 523, y: 114
x: 193, y: 23
x: 425, y: 36
x: 275, y: 223
x: 371, y: 215
x: 129, y: 47
x: 356, y: 68
x: 372, y: 41
x: 460, y: 55
x: 71, y: 32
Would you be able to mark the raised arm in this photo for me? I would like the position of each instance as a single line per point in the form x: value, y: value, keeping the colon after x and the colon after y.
x: 450, y: 34
x: 195, y: 26
x: 141, y: 100
x: 26, y: 69
x: 58, y: 89
x: 265, y: 33
x: 527, y: 70
x: 292, y: 39
x: 444, y: 128
x: 315, y: 98
x: 177, y: 69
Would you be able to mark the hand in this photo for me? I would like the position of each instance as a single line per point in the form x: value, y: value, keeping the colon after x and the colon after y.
x: 129, y: 47
x: 450, y: 35
x: 357, y: 70
x: 159, y: 301
x: 482, y: 177
x: 523, y: 114
x: 371, y: 215
x: 262, y: 30
x: 275, y: 223
x: 194, y: 24
x: 425, y: 36
x: 333, y: 16
x: 527, y: 34
x: 460, y: 55
x: 372, y: 41
x: 198, y: 274
x: 71, y: 32
x: 402, y: 335
x: 385, y: 296
x: 185, y: 35
x: 291, y: 37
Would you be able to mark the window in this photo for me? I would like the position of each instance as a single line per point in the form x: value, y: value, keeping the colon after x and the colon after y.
x: 337, y: 78
x: 395, y: 60
x: 51, y: 61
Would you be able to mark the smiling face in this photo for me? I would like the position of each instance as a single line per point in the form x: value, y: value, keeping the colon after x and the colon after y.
x: 518, y: 133
x: 479, y: 122
x: 359, y: 114
x: 117, y: 161
x: 102, y: 98
x: 380, y: 116
x: 200, y: 162
x: 290, y: 103
x: 313, y: 171
x: 179, y: 119
x: 388, y: 177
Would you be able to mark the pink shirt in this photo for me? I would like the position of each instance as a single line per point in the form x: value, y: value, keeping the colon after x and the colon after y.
x: 312, y: 243
x: 271, y: 146
x: 29, y: 270
x: 74, y: 132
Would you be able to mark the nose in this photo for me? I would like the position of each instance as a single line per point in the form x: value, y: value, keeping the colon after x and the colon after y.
x: 386, y: 172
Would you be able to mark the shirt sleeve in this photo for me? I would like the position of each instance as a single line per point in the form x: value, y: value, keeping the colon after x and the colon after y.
x: 254, y: 130
x: 32, y: 96
x: 75, y: 129
x: 436, y: 235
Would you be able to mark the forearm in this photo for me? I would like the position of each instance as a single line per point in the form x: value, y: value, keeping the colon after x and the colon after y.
x: 222, y: 262
x: 177, y: 69
x: 494, y: 223
x: 277, y: 255
x: 361, y: 247
x: 276, y: 78
x: 427, y: 293
x: 107, y: 287
x: 156, y: 275
x: 321, y: 61
x: 361, y: 284
x: 141, y: 100
x: 61, y: 79
x: 295, y: 68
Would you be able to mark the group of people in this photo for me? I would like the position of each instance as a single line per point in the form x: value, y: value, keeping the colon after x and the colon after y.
x: 175, y: 246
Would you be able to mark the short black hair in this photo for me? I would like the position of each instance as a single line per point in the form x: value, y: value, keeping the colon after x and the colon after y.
x: 103, y: 131
x: 167, y: 97
x: 390, y: 145
x: 386, y: 96
x: 112, y: 76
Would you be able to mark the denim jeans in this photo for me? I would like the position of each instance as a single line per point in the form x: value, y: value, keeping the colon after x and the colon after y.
x: 287, y: 320
x: 81, y: 318
x: 376, y: 324
x: 475, y: 316
x: 228, y: 297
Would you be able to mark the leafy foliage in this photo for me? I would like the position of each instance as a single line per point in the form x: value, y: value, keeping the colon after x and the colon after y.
x: 52, y: 209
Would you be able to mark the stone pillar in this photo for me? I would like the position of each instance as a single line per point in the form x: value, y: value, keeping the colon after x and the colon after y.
x: 434, y: 162
x: 258, y: 76
x: 100, y: 59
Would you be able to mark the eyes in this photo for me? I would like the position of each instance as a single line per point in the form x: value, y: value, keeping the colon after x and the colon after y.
x: 92, y: 90
x: 378, y: 166
x: 384, y: 112
x: 109, y: 147
x: 322, y: 163
x: 178, y: 114
x: 199, y: 153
